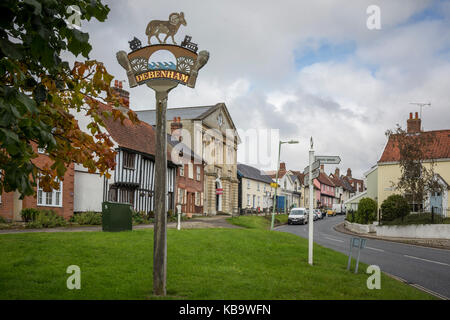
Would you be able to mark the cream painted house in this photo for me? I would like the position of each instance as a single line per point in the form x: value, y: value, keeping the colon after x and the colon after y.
x: 255, y: 191
x: 438, y: 152
x: 209, y: 131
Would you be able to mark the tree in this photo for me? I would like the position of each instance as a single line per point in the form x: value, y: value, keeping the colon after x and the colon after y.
x: 416, y: 180
x: 38, y: 91
x: 393, y: 207
x: 367, y: 211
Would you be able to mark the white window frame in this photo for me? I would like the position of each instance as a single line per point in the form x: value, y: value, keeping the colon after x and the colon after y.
x: 190, y: 170
x: 182, y: 170
x: 248, y: 184
x: 199, y: 173
x: 53, y: 196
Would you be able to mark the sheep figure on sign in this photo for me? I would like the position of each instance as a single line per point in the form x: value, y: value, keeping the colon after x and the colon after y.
x: 170, y: 28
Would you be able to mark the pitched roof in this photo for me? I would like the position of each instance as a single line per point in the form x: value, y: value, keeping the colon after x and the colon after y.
x: 139, y: 137
x: 299, y: 175
x: 253, y: 173
x: 439, y: 149
x: 324, y: 179
x: 149, y: 116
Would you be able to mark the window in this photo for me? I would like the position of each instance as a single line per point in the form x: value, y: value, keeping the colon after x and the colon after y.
x: 112, y: 194
x: 190, y: 170
x: 199, y: 173
x: 248, y: 200
x: 248, y: 184
x: 258, y: 201
x: 127, y: 196
x: 180, y: 195
x: 258, y: 186
x: 129, y: 160
x: 50, y: 199
x: 182, y: 170
x: 197, y: 198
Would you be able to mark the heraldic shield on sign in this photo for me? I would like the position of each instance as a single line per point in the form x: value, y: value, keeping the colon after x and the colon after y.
x: 171, y: 62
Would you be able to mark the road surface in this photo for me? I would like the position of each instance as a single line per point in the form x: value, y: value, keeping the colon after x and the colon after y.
x: 424, y: 267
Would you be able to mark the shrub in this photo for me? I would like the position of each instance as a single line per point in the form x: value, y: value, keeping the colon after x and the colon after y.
x: 367, y: 211
x: 393, y: 207
x: 46, y: 219
x: 140, y: 217
x: 29, y: 214
x: 350, y: 216
x: 3, y: 220
x: 87, y: 218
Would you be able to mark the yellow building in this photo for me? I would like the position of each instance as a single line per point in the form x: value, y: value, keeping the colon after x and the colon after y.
x: 438, y: 152
x: 255, y: 191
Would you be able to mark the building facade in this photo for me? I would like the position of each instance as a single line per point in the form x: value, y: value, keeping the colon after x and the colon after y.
x: 436, y: 153
x: 255, y: 191
x: 210, y: 132
x: 60, y: 201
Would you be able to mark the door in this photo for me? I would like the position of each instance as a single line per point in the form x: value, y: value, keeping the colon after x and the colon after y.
x: 436, y: 202
x: 190, y: 202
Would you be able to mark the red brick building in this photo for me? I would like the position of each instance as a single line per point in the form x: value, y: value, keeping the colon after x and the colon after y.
x: 60, y: 201
x: 190, y: 174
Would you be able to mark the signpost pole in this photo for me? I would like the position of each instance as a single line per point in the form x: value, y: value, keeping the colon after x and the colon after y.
x: 311, y: 201
x: 276, y: 188
x: 160, y: 232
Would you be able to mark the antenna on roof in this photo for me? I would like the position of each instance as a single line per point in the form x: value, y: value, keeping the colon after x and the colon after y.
x: 421, y: 105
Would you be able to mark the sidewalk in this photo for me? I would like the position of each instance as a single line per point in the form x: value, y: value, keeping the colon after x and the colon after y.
x: 433, y: 243
x: 195, y: 223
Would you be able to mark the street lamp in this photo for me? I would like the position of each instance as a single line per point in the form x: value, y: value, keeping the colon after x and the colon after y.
x: 276, y: 179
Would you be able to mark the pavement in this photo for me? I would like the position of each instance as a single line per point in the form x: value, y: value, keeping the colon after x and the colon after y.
x: 218, y: 221
x: 423, y: 267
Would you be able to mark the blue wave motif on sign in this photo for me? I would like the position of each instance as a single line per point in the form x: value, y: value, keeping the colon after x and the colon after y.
x: 162, y: 66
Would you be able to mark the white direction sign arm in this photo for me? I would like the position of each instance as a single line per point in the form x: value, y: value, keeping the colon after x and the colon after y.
x: 328, y: 159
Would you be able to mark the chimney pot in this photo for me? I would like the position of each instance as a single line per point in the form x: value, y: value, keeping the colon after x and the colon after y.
x: 120, y: 84
x: 410, y: 115
x: 349, y: 172
x: 116, y: 83
x: 417, y: 115
x: 336, y: 173
x: 282, y: 166
x: 413, y: 125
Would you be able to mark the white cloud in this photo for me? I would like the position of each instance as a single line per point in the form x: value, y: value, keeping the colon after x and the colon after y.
x: 345, y: 103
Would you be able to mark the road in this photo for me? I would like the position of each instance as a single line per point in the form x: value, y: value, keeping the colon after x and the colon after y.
x: 424, y: 267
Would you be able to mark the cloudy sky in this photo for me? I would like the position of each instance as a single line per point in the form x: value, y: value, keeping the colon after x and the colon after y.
x: 307, y: 68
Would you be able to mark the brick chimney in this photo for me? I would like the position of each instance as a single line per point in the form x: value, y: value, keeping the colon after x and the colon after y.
x: 123, y: 94
x: 336, y: 173
x: 175, y: 128
x: 349, y: 172
x: 322, y: 168
x: 413, y: 125
x: 282, y: 166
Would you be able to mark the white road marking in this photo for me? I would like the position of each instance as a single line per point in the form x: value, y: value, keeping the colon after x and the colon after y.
x: 437, y: 262
x: 376, y: 249
x: 334, y: 239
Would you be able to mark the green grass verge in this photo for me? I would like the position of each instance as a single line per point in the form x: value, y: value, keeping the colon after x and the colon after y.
x: 202, y: 264
x: 258, y: 222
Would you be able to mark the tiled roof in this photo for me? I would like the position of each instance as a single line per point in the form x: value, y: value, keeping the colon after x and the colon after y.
x: 252, y: 173
x: 324, y: 179
x: 149, y: 116
x: 140, y: 136
x: 300, y: 176
x: 439, y: 149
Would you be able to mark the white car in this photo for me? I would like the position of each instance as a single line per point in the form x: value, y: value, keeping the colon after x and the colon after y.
x: 297, y: 216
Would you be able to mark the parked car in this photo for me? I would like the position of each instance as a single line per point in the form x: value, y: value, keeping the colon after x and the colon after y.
x: 331, y: 212
x: 297, y: 216
x: 315, y: 215
x: 319, y: 213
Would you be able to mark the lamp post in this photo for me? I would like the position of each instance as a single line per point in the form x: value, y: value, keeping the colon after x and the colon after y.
x: 276, y: 179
